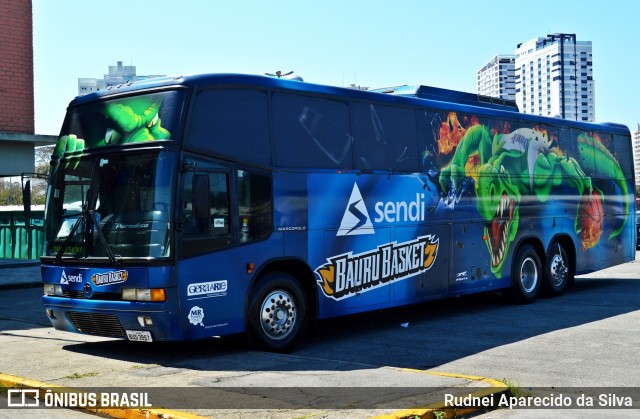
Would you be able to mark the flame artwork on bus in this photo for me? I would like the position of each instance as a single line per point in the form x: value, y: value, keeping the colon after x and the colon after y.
x: 182, y: 208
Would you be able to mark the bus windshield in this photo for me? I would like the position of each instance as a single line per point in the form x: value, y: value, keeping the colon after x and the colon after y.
x: 111, y: 206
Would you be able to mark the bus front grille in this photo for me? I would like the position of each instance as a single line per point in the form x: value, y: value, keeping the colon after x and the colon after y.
x: 105, y: 296
x: 97, y: 324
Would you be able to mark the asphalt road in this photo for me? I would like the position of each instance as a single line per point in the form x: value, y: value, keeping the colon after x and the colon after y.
x: 586, y: 340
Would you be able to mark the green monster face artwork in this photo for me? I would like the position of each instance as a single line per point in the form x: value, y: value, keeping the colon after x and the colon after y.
x: 523, y: 162
x: 130, y: 120
x: 135, y: 121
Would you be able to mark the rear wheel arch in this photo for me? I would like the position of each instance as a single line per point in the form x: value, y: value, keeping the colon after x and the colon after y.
x: 289, y: 278
x: 299, y: 270
x: 527, y: 271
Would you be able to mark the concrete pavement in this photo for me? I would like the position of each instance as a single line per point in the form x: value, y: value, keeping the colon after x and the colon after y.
x: 565, y: 351
x: 23, y: 274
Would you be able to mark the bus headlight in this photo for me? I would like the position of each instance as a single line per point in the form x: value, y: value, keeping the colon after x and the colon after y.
x: 143, y: 294
x: 53, y: 289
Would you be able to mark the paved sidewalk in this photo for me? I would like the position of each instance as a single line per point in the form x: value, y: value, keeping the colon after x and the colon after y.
x: 19, y: 273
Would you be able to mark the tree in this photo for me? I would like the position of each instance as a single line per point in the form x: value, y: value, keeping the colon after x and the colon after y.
x: 39, y: 183
x: 10, y: 192
x: 11, y: 187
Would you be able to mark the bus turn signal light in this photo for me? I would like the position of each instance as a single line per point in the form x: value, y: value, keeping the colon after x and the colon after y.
x: 144, y: 294
x: 157, y: 294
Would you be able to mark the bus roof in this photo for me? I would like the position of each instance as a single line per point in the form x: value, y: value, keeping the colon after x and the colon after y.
x: 446, y: 95
x: 414, y: 95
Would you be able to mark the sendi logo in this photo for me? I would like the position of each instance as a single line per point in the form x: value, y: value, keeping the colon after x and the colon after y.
x: 356, y: 219
x: 401, y: 211
x: 67, y: 279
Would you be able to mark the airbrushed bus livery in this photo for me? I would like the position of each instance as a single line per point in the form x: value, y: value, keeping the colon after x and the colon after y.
x: 189, y: 207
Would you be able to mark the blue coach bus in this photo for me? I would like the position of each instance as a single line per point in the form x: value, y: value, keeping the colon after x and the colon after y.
x: 189, y: 207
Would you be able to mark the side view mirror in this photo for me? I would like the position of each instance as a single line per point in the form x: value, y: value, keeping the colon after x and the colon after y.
x: 26, y: 201
x: 201, y: 201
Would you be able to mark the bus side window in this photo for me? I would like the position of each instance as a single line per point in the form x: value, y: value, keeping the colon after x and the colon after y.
x: 219, y: 203
x: 385, y: 138
x: 256, y: 206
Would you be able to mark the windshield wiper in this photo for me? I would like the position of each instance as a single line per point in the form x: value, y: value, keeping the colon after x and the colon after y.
x: 115, y: 259
x: 88, y: 218
x: 89, y: 212
x: 68, y: 239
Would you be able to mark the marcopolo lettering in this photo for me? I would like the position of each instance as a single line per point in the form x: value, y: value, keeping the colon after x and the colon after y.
x: 347, y: 274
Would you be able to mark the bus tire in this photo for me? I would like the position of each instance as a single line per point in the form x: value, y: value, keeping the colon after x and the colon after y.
x: 277, y: 313
x: 526, y: 275
x: 557, y: 271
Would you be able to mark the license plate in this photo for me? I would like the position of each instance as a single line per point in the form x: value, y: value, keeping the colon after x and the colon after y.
x: 139, y: 336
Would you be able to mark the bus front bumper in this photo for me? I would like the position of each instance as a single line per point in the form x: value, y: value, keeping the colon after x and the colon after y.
x: 146, y: 322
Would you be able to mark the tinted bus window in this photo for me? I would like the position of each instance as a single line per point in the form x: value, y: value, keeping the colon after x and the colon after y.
x: 622, y: 149
x: 385, y: 138
x: 256, y: 206
x: 232, y: 122
x: 311, y: 132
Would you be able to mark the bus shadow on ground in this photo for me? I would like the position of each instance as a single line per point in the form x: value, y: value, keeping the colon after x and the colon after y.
x: 421, y: 336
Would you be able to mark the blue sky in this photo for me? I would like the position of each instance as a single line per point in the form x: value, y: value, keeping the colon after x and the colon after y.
x: 373, y: 43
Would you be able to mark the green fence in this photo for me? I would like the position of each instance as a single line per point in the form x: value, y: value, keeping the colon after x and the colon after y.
x: 15, y: 235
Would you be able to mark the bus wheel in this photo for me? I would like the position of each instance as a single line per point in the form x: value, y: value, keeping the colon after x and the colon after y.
x: 277, y: 313
x: 557, y: 273
x: 526, y: 275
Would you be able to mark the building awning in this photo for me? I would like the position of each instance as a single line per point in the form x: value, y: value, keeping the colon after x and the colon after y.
x: 36, y: 139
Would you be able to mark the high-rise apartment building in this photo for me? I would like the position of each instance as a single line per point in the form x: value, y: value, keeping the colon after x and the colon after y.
x: 497, y: 77
x: 554, y: 77
x: 118, y: 74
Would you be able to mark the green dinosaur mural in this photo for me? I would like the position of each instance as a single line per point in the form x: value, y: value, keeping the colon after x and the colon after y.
x: 506, y: 167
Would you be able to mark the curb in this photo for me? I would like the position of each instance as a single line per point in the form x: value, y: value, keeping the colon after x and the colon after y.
x: 436, y: 410
x: 441, y: 411
x: 13, y: 382
x: 18, y: 264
